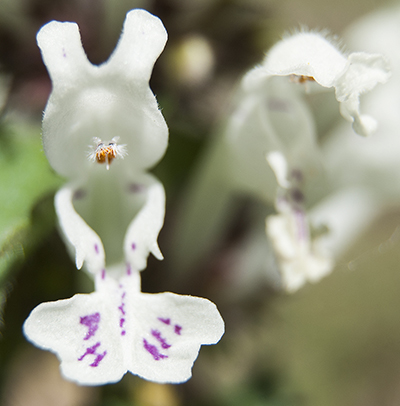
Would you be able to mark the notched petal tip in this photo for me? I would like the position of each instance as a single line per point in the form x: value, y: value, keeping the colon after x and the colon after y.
x: 62, y: 52
x: 142, y: 40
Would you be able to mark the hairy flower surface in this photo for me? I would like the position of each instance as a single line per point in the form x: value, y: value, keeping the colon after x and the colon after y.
x: 102, y: 129
x: 309, y: 56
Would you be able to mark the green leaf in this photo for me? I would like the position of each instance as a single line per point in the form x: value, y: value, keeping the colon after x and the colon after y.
x: 25, y: 176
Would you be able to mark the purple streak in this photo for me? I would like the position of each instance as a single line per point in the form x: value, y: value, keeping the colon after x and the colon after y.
x: 98, y: 359
x: 156, y: 334
x: 91, y: 321
x: 136, y: 188
x: 153, y: 350
x: 92, y: 351
x: 178, y: 329
x: 122, y: 308
x: 165, y: 321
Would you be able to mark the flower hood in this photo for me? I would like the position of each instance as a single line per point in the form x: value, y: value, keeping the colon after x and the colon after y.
x: 105, y: 101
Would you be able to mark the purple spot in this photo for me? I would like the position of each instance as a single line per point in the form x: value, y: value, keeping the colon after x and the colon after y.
x: 91, y: 321
x: 157, y: 335
x: 133, y: 246
x: 165, y: 321
x: 128, y: 269
x: 153, y: 350
x: 297, y: 195
x: 64, y: 53
x: 123, y: 332
x: 122, y: 308
x: 302, y: 230
x: 178, y: 329
x: 123, y: 295
x: 121, y: 322
x: 79, y: 194
x: 297, y: 175
x: 279, y: 105
x: 96, y: 248
x: 103, y: 274
x: 136, y: 187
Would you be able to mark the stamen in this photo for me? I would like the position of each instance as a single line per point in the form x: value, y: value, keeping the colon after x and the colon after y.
x: 301, y: 78
x: 105, y: 152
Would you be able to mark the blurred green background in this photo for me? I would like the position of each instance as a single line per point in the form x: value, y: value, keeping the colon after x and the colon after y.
x: 333, y: 343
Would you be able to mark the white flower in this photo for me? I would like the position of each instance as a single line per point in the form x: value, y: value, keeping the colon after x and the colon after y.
x: 271, y: 113
x: 364, y: 172
x: 312, y: 57
x: 102, y: 129
x: 271, y: 117
x: 300, y: 257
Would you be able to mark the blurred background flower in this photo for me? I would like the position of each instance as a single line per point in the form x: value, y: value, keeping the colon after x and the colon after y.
x: 336, y: 342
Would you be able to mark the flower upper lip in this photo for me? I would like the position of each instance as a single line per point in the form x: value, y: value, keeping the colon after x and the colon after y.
x: 310, y: 54
x: 114, y: 98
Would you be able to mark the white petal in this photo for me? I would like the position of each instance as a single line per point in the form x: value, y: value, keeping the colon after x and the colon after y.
x: 98, y: 337
x: 300, y: 259
x: 84, y: 324
x: 278, y: 164
x: 304, y: 269
x: 86, y: 243
x: 142, y: 41
x: 169, y: 331
x: 362, y: 73
x: 310, y: 55
x: 112, y: 220
x: 106, y: 101
x: 63, y: 54
x: 270, y: 118
x: 281, y: 230
x: 142, y: 233
x: 306, y: 54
